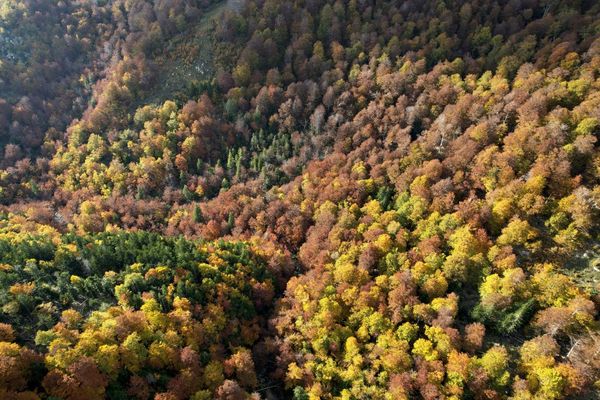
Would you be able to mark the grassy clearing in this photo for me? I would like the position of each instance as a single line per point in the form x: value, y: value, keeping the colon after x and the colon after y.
x: 188, y: 59
x: 584, y: 268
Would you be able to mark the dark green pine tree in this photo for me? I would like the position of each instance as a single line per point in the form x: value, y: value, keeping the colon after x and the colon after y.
x: 225, y: 184
x: 187, y: 194
x: 230, y: 221
x: 197, y: 214
x: 238, y: 161
x: 230, y: 160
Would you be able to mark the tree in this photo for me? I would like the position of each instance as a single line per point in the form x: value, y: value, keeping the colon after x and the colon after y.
x: 197, y: 216
x: 230, y: 390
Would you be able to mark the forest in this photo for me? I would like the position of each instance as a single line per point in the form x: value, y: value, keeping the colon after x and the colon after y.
x: 299, y: 199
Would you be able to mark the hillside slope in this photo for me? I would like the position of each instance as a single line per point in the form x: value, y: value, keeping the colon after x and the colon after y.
x: 306, y: 200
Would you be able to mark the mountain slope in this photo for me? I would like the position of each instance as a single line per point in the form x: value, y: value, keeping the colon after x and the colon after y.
x: 362, y: 199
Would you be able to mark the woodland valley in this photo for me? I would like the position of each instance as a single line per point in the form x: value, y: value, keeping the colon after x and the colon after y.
x: 299, y: 199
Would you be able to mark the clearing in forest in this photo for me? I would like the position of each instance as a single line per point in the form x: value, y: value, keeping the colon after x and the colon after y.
x: 187, y: 64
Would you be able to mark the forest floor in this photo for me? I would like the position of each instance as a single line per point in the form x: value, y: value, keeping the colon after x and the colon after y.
x: 188, y: 61
x: 584, y: 268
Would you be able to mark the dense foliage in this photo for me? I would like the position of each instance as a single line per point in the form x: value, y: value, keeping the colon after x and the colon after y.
x: 127, y: 315
x: 364, y: 199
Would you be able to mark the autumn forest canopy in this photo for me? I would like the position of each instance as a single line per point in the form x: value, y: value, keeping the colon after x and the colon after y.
x: 299, y: 199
